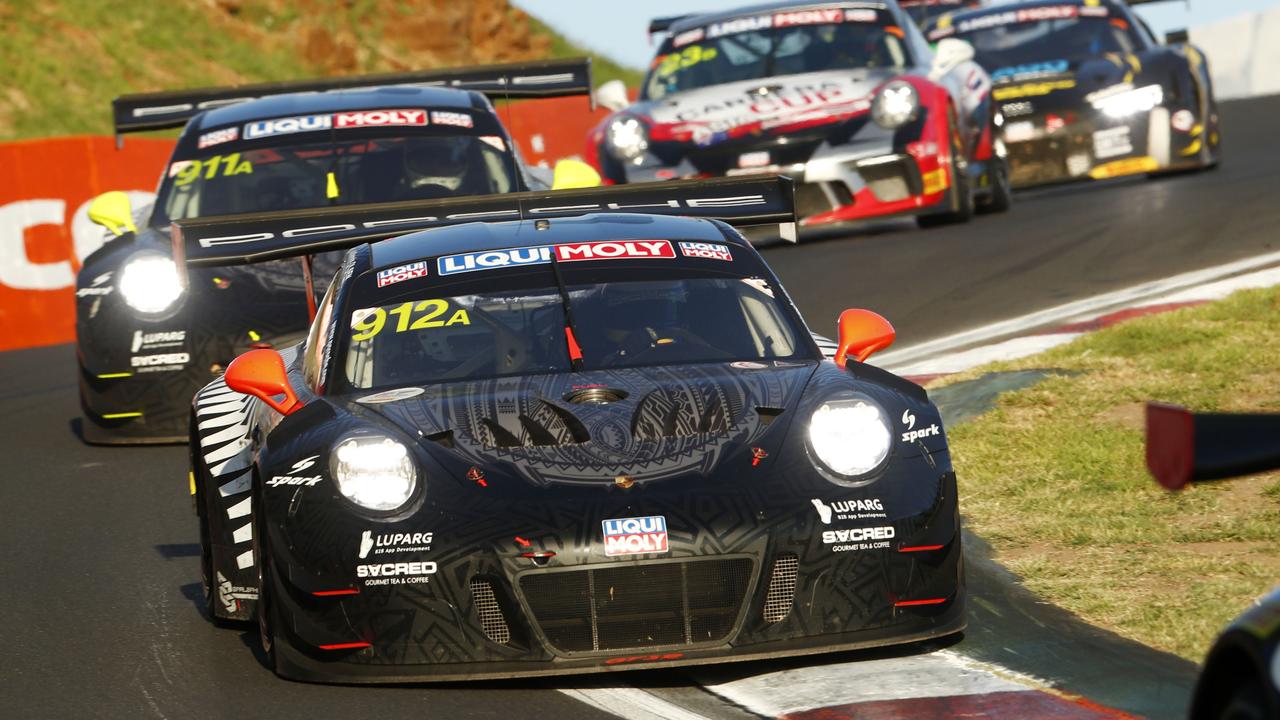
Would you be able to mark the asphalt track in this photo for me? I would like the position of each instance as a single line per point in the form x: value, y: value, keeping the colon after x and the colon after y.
x: 99, y: 563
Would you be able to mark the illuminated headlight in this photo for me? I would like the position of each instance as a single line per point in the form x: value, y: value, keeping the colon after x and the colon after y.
x: 850, y: 436
x: 374, y: 472
x: 628, y: 138
x: 895, y: 105
x: 1119, y: 103
x: 149, y: 283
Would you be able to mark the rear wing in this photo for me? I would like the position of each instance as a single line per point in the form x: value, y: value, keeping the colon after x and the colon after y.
x: 542, y: 79
x: 662, y: 24
x: 258, y: 237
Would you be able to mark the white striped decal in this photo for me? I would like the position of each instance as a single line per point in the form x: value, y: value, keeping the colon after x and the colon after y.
x: 225, y: 422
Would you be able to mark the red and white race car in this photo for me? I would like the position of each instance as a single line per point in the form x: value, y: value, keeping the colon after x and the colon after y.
x: 847, y: 98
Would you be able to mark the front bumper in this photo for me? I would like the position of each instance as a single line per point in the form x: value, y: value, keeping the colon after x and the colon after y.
x: 734, y: 585
x: 137, y: 374
x: 1045, y: 148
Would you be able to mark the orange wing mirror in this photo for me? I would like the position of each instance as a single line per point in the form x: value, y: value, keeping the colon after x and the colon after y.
x: 261, y: 373
x: 862, y: 333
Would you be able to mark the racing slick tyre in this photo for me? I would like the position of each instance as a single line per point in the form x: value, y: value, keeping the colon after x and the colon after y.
x: 1246, y: 702
x: 207, y: 582
x: 1001, y: 197
x: 962, y: 190
x: 266, y: 609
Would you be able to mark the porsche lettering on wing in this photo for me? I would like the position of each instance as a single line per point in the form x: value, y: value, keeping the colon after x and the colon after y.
x: 512, y: 213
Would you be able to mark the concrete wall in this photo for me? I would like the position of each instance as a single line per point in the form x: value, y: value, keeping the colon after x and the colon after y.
x: 1243, y: 52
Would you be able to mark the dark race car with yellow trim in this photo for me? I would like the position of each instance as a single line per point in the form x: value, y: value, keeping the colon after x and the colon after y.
x: 576, y: 437
x: 847, y: 98
x: 146, y: 341
x: 1086, y: 91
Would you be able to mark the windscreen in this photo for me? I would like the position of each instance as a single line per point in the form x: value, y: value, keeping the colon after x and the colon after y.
x: 235, y: 173
x: 1010, y: 40
x: 434, y: 338
x: 769, y: 45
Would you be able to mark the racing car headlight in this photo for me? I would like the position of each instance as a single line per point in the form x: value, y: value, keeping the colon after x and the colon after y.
x: 149, y: 283
x: 1127, y: 102
x: 374, y: 472
x: 895, y: 105
x: 850, y: 436
x: 628, y: 138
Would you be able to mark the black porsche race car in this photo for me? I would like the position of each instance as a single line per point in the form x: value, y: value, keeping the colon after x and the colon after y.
x: 1241, y: 675
x: 146, y: 341
x: 1086, y: 91
x: 847, y: 98
x: 572, y: 438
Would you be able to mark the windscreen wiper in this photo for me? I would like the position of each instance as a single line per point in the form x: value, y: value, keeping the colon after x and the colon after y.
x: 570, y: 337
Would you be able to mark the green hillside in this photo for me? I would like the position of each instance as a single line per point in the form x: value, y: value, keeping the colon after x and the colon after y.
x: 66, y: 59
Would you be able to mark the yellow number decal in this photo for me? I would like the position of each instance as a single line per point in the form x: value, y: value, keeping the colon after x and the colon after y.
x: 225, y: 165
x: 376, y: 321
x: 189, y: 173
x: 370, y: 325
x: 401, y: 312
x: 428, y: 320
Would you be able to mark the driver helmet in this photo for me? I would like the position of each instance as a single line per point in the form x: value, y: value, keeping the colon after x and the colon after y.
x: 435, y: 161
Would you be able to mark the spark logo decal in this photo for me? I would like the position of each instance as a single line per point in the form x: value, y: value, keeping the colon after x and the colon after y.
x: 635, y: 536
x: 293, y: 478
x: 908, y: 419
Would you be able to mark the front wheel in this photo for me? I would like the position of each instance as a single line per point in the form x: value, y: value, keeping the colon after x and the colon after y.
x: 266, y: 620
x: 962, y: 193
x: 1001, y: 197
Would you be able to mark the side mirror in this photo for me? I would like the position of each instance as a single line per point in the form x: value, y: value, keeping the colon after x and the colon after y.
x: 571, y: 174
x: 950, y: 53
x: 261, y: 373
x: 1177, y: 37
x: 862, y: 333
x: 113, y: 211
x: 612, y: 95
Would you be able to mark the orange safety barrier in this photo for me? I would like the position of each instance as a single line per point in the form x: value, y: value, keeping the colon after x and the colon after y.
x: 46, y: 186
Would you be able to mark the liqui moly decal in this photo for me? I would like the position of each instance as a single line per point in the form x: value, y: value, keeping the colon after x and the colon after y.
x: 400, y: 273
x: 569, y: 252
x: 635, y: 536
x: 710, y: 251
x: 379, y: 118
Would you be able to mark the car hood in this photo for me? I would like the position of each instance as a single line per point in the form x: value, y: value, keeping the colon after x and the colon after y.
x: 674, y: 421
x: 763, y: 104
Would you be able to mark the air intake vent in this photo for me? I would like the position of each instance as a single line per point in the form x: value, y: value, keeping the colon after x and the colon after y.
x: 540, y: 424
x: 492, y: 621
x: 668, y: 604
x: 682, y: 412
x: 782, y: 589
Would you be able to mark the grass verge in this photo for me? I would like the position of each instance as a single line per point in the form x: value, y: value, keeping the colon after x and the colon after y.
x: 1054, y: 476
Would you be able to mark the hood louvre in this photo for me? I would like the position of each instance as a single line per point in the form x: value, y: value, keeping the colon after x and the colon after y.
x: 682, y: 412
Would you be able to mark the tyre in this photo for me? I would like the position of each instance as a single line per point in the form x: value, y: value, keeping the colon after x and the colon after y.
x: 962, y: 191
x: 1001, y: 198
x: 266, y: 610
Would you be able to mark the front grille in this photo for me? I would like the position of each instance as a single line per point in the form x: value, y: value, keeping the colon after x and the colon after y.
x: 782, y: 589
x: 647, y: 605
x: 492, y: 621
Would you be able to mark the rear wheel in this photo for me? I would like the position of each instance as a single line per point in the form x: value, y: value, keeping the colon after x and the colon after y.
x: 961, y: 188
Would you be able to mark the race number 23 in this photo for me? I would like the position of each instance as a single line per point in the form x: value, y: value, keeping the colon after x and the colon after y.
x: 422, y: 315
